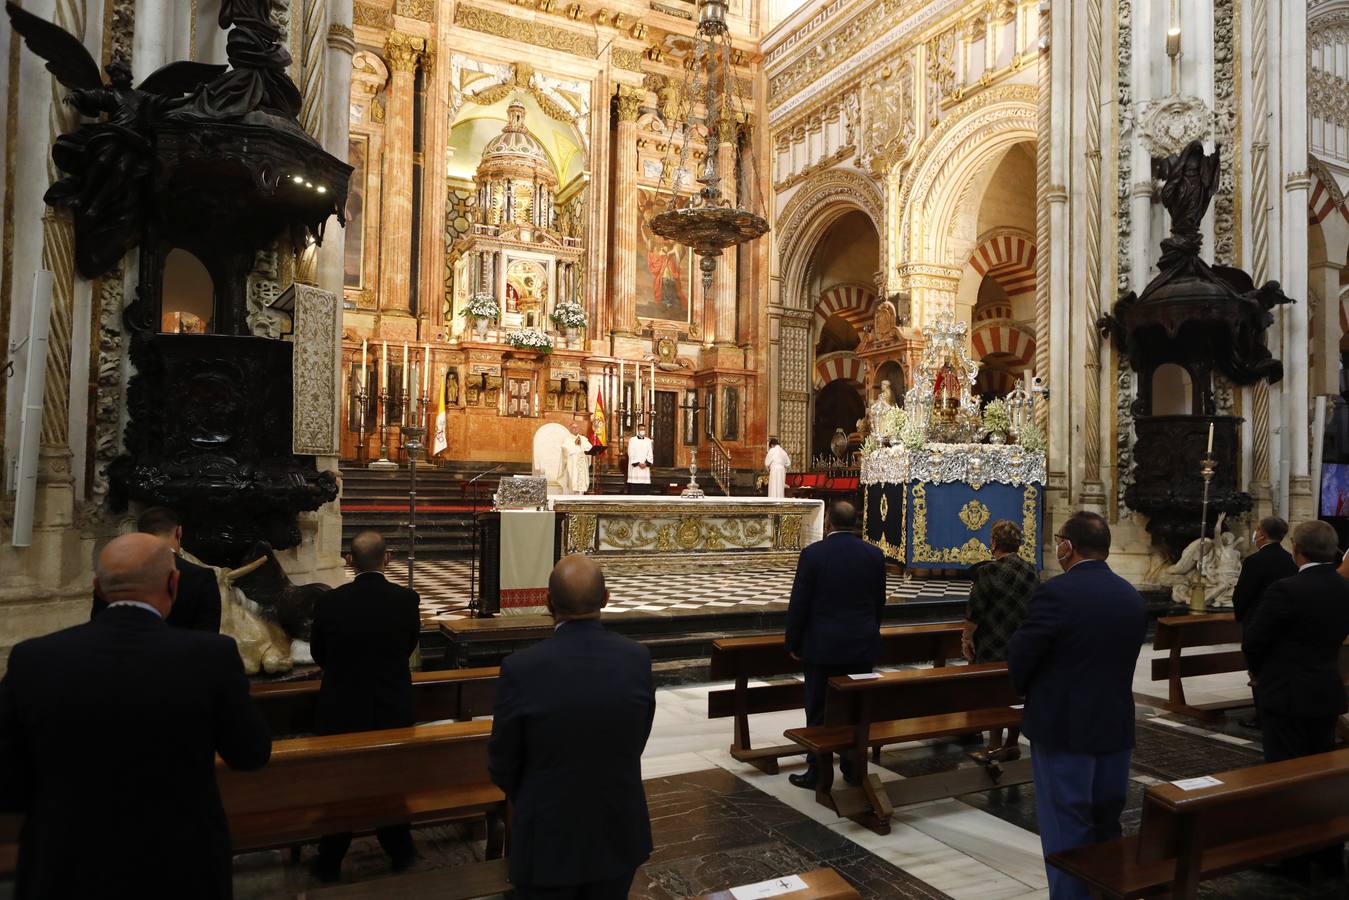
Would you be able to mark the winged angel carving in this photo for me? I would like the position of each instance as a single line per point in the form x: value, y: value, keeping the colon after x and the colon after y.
x: 106, y: 163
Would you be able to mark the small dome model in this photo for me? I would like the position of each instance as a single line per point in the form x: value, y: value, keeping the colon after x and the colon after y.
x: 515, y: 145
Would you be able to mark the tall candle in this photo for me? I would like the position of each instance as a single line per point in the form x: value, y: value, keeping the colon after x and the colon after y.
x: 362, y: 384
x: 637, y: 391
x: 412, y: 414
x: 1210, y: 438
x: 405, y: 368
x: 426, y: 370
x: 652, y: 389
x: 384, y: 369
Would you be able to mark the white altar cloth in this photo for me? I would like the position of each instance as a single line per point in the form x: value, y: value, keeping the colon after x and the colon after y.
x: 655, y: 534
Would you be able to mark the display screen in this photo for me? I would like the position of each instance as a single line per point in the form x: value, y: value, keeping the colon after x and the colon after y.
x: 1335, y: 489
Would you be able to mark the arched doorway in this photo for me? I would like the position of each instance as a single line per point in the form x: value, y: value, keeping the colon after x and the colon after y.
x: 837, y: 405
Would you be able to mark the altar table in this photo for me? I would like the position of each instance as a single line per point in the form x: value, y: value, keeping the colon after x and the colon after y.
x: 933, y: 507
x: 660, y: 535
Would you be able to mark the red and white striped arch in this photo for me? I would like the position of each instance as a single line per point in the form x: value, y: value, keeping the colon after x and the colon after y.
x: 841, y: 366
x: 1009, y: 259
x: 1321, y: 204
x: 995, y: 381
x: 853, y: 302
x: 1001, y: 336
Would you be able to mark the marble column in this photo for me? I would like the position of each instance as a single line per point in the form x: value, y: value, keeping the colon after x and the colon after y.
x: 340, y: 45
x: 624, y: 301
x: 1293, y: 258
x: 401, y: 53
x: 722, y: 322
x: 435, y: 136
x: 1325, y: 282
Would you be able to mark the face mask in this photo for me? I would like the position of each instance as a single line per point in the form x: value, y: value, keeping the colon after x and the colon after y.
x: 1255, y: 537
x: 1059, y: 554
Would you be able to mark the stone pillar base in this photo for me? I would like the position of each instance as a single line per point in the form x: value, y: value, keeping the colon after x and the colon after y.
x: 1301, y: 503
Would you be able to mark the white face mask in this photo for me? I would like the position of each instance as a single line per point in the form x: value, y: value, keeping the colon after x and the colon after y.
x: 1255, y: 538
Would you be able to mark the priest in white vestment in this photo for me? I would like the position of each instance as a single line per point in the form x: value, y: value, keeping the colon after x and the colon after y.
x: 575, y: 475
x: 641, y: 456
x: 776, y: 462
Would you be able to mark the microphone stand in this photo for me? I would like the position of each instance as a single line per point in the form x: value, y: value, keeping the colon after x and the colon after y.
x: 473, y: 608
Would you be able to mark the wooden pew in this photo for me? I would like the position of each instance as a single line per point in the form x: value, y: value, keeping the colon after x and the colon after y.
x: 740, y: 659
x: 482, y: 879
x: 356, y: 782
x: 1179, y: 633
x: 1256, y: 815
x: 914, y: 705
x: 458, y: 694
x: 313, y: 786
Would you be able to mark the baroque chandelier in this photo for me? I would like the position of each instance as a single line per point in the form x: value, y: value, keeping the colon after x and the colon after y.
x: 708, y: 222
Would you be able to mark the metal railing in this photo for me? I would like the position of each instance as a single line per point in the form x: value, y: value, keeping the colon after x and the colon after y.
x: 721, y: 465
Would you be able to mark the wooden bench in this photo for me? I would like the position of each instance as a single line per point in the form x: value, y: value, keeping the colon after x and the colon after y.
x: 314, y: 786
x: 1257, y: 815
x: 1179, y: 633
x: 915, y: 705
x: 740, y: 659
x: 821, y: 884
x: 454, y: 694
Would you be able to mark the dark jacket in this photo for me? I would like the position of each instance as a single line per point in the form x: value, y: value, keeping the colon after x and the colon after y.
x: 838, y: 596
x: 571, y: 720
x: 1293, y: 644
x: 108, y: 737
x: 1258, y: 571
x: 197, y: 603
x: 1073, y: 660
x: 363, y: 634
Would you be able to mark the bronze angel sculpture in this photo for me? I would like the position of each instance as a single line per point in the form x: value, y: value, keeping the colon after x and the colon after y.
x: 105, y: 164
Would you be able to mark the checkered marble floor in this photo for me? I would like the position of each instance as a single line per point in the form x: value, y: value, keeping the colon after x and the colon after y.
x: 444, y: 585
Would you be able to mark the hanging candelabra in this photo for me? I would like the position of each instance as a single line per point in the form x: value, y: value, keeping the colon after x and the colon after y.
x: 709, y: 222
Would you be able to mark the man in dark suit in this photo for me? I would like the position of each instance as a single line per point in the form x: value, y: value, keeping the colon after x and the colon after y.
x: 363, y: 633
x: 1073, y: 659
x: 1269, y: 563
x: 197, y: 605
x: 571, y: 721
x: 108, y: 738
x: 1293, y: 646
x: 834, y: 615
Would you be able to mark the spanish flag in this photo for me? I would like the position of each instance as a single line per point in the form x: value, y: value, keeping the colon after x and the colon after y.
x: 599, y: 431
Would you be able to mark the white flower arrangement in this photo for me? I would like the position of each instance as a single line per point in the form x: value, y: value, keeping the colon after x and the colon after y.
x: 870, y: 445
x: 1031, y: 437
x: 481, y: 306
x: 569, y: 315
x: 912, y: 435
x: 530, y: 339
x: 997, y: 418
x: 894, y: 421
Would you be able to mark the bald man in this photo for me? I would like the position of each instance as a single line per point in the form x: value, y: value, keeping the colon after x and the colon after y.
x: 363, y: 633
x: 108, y: 737
x: 571, y: 720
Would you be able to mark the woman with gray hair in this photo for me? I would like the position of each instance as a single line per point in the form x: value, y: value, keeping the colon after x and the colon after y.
x: 998, y: 602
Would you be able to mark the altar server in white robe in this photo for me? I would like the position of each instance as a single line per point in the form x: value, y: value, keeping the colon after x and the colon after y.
x: 575, y: 474
x: 776, y: 462
x: 641, y: 455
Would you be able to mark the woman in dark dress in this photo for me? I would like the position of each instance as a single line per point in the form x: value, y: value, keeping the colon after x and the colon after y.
x: 998, y: 602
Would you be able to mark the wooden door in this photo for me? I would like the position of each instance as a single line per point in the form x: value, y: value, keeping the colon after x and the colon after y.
x: 663, y: 438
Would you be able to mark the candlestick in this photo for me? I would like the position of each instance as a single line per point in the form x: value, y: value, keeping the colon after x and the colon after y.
x: 1210, y: 437
x: 412, y: 415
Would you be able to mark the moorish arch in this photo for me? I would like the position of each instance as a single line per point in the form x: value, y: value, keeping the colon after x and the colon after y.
x: 929, y: 218
x: 851, y: 301
x: 816, y: 205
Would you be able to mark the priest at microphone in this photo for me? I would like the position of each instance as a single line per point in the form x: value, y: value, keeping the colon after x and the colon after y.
x: 640, y: 457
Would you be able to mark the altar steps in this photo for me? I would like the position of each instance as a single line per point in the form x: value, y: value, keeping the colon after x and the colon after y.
x: 374, y: 498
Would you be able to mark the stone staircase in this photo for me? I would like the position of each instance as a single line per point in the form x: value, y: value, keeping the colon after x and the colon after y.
x: 377, y: 499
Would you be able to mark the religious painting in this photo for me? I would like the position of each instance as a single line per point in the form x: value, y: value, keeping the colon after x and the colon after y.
x: 526, y: 290
x: 664, y: 268
x: 393, y: 409
x: 358, y: 149
x: 730, y: 415
x: 691, y: 417
x: 710, y: 414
